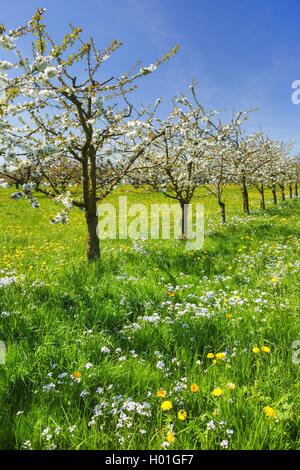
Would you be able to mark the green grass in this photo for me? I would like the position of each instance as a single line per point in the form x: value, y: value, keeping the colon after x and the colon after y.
x: 240, y: 291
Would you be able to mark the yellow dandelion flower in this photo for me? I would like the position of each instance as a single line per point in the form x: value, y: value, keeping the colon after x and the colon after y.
x: 229, y: 316
x: 210, y: 355
x: 221, y: 356
x: 269, y: 412
x: 76, y: 374
x: 217, y: 392
x: 274, y: 280
x: 182, y: 415
x: 195, y: 388
x: 170, y: 437
x: 166, y: 405
x: 256, y: 350
x: 161, y: 394
x: 266, y: 349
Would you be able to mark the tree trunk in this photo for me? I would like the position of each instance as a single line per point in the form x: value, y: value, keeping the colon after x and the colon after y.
x: 262, y: 197
x: 274, y: 195
x: 222, y: 206
x: 93, y: 251
x: 291, y: 190
x: 282, y: 192
x: 184, y: 219
x: 223, y: 211
x: 90, y: 203
x: 245, y: 196
x: 296, y: 189
x: 17, y: 185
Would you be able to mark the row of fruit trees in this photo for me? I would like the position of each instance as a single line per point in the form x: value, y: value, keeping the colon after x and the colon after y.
x: 62, y: 126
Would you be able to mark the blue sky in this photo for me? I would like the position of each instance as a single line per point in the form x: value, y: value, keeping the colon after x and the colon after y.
x: 244, y: 54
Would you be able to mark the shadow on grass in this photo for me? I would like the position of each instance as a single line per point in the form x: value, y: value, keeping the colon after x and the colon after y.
x: 17, y: 397
x: 222, y: 246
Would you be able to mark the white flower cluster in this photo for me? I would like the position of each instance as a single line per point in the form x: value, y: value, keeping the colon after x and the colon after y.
x: 7, y: 43
x: 41, y: 62
x: 60, y: 218
x: 149, y: 69
x: 5, y: 65
x: 66, y: 200
x: 8, y: 281
x: 4, y: 184
x: 17, y: 195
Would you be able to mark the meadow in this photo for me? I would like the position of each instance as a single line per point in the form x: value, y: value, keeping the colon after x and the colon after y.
x: 153, y: 346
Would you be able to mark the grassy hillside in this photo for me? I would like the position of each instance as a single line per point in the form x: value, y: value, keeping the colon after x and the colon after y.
x: 89, y: 347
